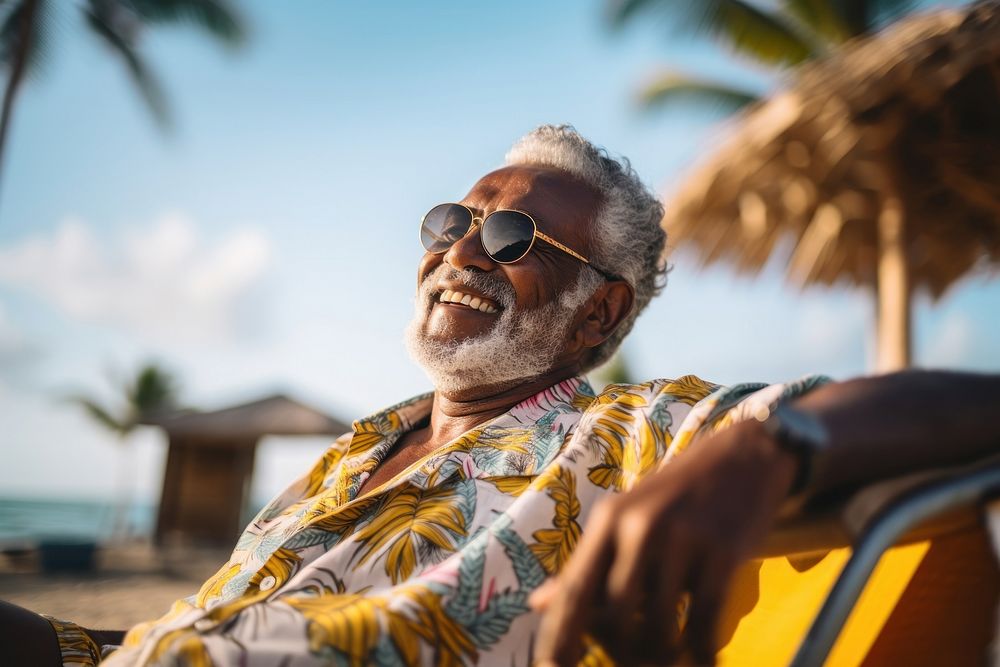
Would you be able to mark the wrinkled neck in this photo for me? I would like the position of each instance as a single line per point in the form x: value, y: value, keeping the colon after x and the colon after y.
x: 454, y: 414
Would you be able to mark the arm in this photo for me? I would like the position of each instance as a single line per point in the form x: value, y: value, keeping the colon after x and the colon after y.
x: 28, y: 639
x: 893, y: 424
x: 687, y: 526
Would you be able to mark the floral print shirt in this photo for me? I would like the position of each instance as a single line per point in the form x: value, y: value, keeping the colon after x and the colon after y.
x: 434, y: 566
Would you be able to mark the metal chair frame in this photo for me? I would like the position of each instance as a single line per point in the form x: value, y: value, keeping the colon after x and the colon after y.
x: 884, y: 530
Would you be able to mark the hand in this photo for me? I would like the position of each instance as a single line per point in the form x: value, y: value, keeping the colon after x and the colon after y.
x: 683, y: 529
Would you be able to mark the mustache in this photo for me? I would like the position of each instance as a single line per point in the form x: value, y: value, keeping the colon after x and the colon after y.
x: 486, y: 284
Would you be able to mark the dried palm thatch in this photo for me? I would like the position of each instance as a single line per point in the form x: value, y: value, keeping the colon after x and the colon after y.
x: 244, y: 425
x: 879, y: 166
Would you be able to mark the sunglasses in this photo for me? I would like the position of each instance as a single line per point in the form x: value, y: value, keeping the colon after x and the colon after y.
x: 507, y: 235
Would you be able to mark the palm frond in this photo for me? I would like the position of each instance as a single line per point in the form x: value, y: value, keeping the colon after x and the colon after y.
x: 621, y: 11
x: 153, y: 390
x: 755, y: 32
x: 25, y: 22
x: 762, y: 34
x: 673, y: 87
x: 116, y: 35
x: 821, y: 17
x: 102, y: 415
x: 866, y: 16
x: 217, y: 17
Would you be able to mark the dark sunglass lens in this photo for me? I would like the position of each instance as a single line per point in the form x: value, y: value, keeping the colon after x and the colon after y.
x: 443, y: 225
x: 507, y: 235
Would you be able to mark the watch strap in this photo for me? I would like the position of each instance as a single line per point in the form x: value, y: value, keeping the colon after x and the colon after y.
x: 799, y: 433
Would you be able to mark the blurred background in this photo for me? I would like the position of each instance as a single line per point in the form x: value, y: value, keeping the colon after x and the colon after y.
x: 234, y: 198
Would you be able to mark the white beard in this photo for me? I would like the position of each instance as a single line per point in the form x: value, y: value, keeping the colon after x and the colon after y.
x: 521, y: 346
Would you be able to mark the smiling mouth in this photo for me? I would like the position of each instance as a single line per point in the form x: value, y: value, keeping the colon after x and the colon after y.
x: 457, y: 298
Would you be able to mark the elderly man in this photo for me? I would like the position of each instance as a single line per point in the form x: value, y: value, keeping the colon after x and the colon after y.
x: 420, y: 536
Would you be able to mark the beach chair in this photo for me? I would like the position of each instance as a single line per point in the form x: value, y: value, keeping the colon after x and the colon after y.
x: 900, y: 573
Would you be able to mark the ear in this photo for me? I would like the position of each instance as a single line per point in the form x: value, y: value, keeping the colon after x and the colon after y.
x: 603, y: 312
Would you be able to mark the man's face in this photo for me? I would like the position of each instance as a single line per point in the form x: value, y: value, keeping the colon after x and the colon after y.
x: 521, y: 298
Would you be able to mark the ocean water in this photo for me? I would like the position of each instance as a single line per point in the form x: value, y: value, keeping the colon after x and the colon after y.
x: 26, y: 521
x: 29, y: 520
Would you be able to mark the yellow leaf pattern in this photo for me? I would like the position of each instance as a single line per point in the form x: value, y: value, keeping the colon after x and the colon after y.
x: 336, y: 518
x: 436, y: 564
x: 319, y: 473
x: 689, y: 389
x: 408, y: 514
x: 512, y: 485
x: 213, y: 587
x: 554, y: 545
x: 75, y: 645
x: 348, y: 623
x: 352, y: 624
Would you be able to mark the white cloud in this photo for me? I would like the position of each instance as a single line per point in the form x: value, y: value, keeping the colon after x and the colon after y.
x: 162, y: 281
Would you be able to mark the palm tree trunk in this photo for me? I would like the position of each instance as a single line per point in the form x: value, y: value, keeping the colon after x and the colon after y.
x: 121, y: 519
x: 17, y: 69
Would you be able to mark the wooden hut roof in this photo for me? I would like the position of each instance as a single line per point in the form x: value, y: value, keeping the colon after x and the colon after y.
x: 273, y: 415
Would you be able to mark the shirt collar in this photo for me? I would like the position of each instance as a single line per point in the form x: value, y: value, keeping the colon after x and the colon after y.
x: 556, y: 407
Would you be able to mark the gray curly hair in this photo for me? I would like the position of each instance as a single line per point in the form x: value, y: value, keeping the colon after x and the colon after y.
x: 627, y: 239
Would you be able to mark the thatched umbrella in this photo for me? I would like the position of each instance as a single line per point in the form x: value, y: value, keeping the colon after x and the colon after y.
x: 878, y: 166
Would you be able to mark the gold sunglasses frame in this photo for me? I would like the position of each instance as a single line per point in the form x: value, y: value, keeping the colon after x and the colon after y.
x: 482, y: 221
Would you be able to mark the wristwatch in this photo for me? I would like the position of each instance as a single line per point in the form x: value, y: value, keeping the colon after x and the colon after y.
x: 799, y: 433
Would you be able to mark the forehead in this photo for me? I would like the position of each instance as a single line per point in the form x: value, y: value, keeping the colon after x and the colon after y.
x: 556, y: 199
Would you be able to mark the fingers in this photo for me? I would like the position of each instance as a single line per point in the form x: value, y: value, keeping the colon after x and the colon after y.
x: 576, y: 594
x: 628, y: 582
x: 542, y: 597
x: 660, y: 625
x: 707, y: 595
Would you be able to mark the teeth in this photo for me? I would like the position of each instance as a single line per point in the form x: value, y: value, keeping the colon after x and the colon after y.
x: 452, y: 296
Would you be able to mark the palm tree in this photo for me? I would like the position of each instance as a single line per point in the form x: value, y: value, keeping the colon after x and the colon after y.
x: 26, y: 26
x: 778, y: 35
x: 153, y: 391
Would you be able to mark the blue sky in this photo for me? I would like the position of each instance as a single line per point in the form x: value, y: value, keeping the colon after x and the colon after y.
x: 269, y: 243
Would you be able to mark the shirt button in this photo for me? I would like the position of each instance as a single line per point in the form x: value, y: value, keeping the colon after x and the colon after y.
x: 267, y: 583
x: 204, y: 624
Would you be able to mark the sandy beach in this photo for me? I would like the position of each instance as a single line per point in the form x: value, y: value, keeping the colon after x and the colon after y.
x: 130, y: 584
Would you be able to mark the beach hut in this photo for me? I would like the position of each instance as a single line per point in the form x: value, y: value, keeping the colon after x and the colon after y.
x: 210, y: 462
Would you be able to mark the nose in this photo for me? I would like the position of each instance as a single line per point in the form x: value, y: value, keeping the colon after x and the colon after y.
x: 467, y: 252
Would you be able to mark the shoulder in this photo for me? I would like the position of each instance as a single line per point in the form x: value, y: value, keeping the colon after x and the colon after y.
x: 687, y: 389
x: 731, y: 404
x: 663, y: 401
x: 697, y: 401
